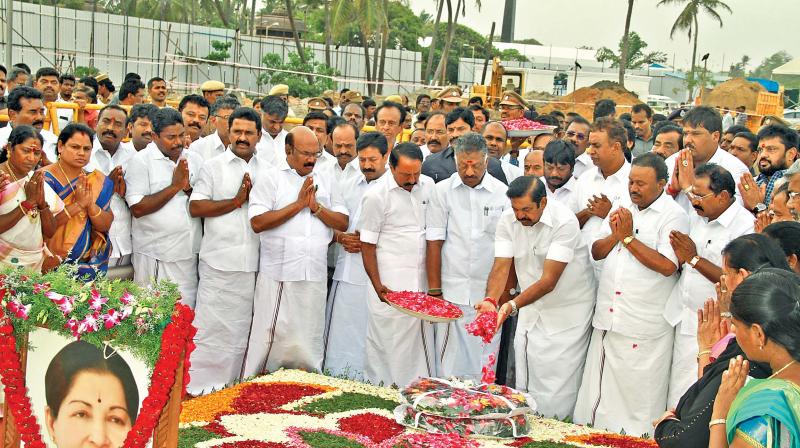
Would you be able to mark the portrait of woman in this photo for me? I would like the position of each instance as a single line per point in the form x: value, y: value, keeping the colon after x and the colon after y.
x: 92, y: 397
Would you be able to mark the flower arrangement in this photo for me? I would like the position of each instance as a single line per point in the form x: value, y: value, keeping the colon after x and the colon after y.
x: 421, y: 305
x: 147, y: 322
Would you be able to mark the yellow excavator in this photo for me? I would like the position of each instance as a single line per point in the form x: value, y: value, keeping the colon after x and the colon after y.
x: 502, y: 79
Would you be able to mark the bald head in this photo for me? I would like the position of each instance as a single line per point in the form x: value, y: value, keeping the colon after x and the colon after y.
x: 495, y: 134
x: 302, y: 150
x: 534, y: 163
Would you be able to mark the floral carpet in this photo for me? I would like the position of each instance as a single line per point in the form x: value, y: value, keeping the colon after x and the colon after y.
x: 295, y: 409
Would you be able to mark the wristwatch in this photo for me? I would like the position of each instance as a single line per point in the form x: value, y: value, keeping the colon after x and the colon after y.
x: 760, y: 207
x: 693, y: 262
x: 627, y: 240
x: 514, y: 308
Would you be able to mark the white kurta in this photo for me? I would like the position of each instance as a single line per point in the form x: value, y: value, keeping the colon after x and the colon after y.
x: 722, y: 158
x: 272, y: 151
x: 399, y: 347
x: 465, y: 219
x: 552, y: 332
x: 565, y: 194
x: 289, y: 310
x: 693, y: 289
x: 629, y: 355
x: 208, y: 147
x: 228, y: 265
x: 583, y: 163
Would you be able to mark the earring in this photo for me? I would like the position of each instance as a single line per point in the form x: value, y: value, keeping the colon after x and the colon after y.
x: 761, y: 347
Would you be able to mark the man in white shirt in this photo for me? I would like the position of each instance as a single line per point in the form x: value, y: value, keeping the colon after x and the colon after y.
x: 295, y: 210
x: 111, y: 157
x: 559, y: 162
x: 534, y: 163
x: 140, y: 125
x: 216, y: 143
x: 389, y: 119
x: 66, y: 84
x: 343, y: 137
x: 354, y: 113
x: 392, y: 232
x: 271, y: 146
x: 166, y: 239
x: 46, y: 81
x: 540, y: 238
x: 702, y: 127
x: 195, y: 110
x: 437, y: 139
x: 625, y: 381
x: 26, y: 106
x: 578, y: 133
x: 717, y: 219
x: 228, y: 255
x: 461, y: 221
x: 496, y: 137
x: 346, y: 321
x: 606, y: 181
x: 318, y: 123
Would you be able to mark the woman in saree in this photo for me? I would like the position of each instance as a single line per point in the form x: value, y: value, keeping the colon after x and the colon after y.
x: 28, y: 206
x: 82, y: 237
x: 762, y: 412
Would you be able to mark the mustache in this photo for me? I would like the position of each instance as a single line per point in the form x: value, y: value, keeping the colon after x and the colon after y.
x: 409, y: 184
x: 243, y: 142
x: 110, y: 133
x: 699, y: 208
x: 309, y: 165
x: 368, y: 170
x: 37, y: 122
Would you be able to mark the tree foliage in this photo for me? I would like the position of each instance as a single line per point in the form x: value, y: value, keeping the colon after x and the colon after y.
x: 220, y: 52
x: 764, y: 70
x: 637, y: 56
x: 298, y: 84
x: 738, y: 69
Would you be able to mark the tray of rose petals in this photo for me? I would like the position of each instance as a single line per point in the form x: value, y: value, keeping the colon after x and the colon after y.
x: 423, y: 306
x: 438, y: 405
x: 522, y: 127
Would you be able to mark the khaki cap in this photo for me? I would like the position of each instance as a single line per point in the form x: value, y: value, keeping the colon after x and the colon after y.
x: 212, y: 86
x: 101, y: 77
x: 279, y: 89
x: 317, y: 103
x: 512, y: 98
x: 353, y: 96
x: 328, y: 94
x: 395, y: 98
x: 450, y: 94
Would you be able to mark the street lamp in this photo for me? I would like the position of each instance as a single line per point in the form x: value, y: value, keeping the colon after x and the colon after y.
x: 266, y: 29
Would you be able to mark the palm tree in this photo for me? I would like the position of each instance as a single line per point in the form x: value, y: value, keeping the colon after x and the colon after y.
x: 625, y: 44
x: 687, y: 21
x: 370, y: 17
x: 434, y: 35
x: 452, y: 22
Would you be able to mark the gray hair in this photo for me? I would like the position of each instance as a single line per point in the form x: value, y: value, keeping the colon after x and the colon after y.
x: 14, y: 73
x: 469, y: 143
x: 224, y: 103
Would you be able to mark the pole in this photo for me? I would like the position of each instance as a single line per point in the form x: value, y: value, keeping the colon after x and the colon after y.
x: 91, y: 36
x: 9, y: 32
x: 486, y: 61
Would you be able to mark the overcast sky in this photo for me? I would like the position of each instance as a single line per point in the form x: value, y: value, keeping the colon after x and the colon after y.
x: 755, y: 28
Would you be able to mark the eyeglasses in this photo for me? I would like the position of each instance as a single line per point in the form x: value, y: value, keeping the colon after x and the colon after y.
x: 310, y: 155
x: 387, y: 123
x: 793, y: 194
x: 439, y: 132
x: 578, y: 135
x: 696, y: 197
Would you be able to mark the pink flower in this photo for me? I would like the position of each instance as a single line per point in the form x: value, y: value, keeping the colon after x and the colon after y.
x: 19, y: 310
x: 111, y: 318
x: 72, y: 325
x: 96, y: 302
x: 64, y: 303
x: 89, y: 324
x: 126, y: 298
x: 41, y: 287
x: 126, y: 311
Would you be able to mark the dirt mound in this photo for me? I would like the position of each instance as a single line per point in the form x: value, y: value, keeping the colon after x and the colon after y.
x: 734, y: 93
x: 582, y: 100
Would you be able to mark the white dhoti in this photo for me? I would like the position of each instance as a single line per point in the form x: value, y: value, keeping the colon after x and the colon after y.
x: 625, y: 382
x: 684, y: 367
x: 223, y: 316
x: 459, y: 353
x: 346, y: 329
x: 550, y: 366
x: 288, y: 326
x: 400, y: 348
x: 147, y: 270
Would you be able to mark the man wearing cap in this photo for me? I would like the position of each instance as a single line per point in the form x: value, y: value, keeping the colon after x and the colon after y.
x: 351, y: 96
x: 512, y: 107
x: 317, y: 104
x: 212, y: 90
x: 282, y: 91
x: 450, y: 99
x: 105, y: 89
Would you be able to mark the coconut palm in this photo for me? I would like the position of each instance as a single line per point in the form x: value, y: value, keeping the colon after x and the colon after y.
x: 370, y: 17
x: 625, y: 44
x: 687, y: 21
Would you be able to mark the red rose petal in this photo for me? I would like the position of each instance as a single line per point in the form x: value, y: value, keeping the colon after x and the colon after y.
x: 376, y: 427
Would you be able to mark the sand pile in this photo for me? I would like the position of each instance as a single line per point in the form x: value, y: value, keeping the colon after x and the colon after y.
x: 589, y: 95
x: 734, y: 93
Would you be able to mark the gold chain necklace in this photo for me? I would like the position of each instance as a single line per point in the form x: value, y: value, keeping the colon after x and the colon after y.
x: 781, y: 370
x: 69, y: 183
x: 11, y: 171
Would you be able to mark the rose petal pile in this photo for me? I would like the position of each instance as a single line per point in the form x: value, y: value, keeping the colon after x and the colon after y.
x: 523, y: 124
x: 484, y: 326
x: 422, y: 303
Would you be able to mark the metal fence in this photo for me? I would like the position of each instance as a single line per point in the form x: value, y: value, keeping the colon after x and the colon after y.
x: 61, y: 37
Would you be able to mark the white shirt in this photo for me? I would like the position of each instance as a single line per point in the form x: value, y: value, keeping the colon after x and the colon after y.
x: 466, y: 219
x: 297, y: 249
x: 340, y: 175
x: 272, y: 150
x: 120, y: 232
x: 710, y: 238
x: 50, y: 141
x: 208, y: 147
x: 229, y: 243
x: 350, y: 267
x: 522, y: 153
x: 592, y: 183
x: 425, y: 151
x: 583, y: 163
x: 394, y: 220
x: 630, y: 296
x: 555, y: 237
x: 564, y: 194
x: 169, y: 234
x: 722, y: 158
x: 511, y: 172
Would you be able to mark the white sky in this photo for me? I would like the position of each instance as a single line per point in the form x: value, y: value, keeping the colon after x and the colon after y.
x: 757, y: 28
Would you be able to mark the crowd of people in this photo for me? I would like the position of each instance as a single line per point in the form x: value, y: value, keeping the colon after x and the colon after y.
x: 642, y: 267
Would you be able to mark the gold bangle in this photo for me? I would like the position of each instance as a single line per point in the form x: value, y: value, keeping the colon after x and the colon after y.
x: 99, y: 210
x: 704, y: 352
x: 67, y: 212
